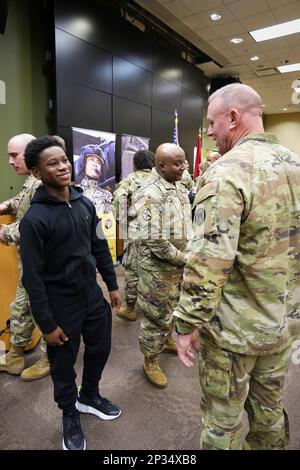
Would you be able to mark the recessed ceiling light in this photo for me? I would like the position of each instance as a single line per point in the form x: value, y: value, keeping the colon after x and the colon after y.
x: 215, y: 17
x: 236, y: 40
x: 276, y: 31
x: 284, y: 61
x: 284, y: 109
x: 288, y: 68
x: 264, y: 105
x: 254, y: 58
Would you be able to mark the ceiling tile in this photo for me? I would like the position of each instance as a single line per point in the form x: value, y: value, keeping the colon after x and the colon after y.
x: 197, y: 6
x: 287, y: 13
x: 296, y: 50
x: 227, y: 29
x: 254, y: 22
x: 178, y: 9
x: 219, y: 44
x: 279, y: 3
x: 223, y: 11
x: 279, y: 53
x: 279, y: 43
x: 294, y: 39
x: 194, y: 22
x: 244, y: 8
x: 208, y: 34
x: 248, y: 49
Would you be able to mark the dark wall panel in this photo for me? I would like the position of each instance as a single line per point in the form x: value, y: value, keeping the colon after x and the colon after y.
x: 66, y: 134
x: 83, y: 20
x: 192, y: 78
x: 166, y: 95
x: 132, y: 82
x: 82, y: 63
x: 162, y: 127
x: 192, y: 105
x: 167, y: 65
x: 188, y: 132
x: 96, y: 26
x: 141, y: 80
x: 131, y: 118
x: 79, y: 106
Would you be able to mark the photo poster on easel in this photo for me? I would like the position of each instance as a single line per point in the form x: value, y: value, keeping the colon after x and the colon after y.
x: 129, y: 145
x: 94, y: 172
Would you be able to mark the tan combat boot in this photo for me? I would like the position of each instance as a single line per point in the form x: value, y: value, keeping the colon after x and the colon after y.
x: 39, y: 369
x: 127, y: 313
x: 170, y: 345
x: 154, y: 373
x: 13, y: 361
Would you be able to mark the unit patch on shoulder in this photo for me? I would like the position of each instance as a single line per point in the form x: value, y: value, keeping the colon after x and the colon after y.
x: 200, y: 215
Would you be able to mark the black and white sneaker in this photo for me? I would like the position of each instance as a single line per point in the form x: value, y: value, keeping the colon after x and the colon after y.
x: 98, y: 406
x: 73, y: 438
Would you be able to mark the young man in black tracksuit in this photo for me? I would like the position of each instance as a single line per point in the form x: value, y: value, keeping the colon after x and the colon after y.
x: 61, y: 246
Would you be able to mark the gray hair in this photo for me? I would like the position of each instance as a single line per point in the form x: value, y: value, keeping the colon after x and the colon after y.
x: 238, y: 95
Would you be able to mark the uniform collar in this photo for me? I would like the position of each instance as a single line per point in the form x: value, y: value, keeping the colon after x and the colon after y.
x: 165, y: 183
x: 261, y: 137
x: 87, y: 183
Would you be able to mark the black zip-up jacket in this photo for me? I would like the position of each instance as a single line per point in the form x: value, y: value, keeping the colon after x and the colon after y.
x: 60, y: 251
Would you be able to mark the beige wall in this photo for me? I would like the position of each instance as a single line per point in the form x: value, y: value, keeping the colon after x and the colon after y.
x: 287, y: 129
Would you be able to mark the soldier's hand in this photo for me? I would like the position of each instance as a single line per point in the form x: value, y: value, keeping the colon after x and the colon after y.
x: 3, y: 238
x: 187, y: 345
x: 3, y: 208
x: 56, y: 338
x: 115, y: 299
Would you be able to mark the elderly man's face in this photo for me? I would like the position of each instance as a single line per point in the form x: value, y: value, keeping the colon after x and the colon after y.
x: 219, y: 126
x: 93, y: 167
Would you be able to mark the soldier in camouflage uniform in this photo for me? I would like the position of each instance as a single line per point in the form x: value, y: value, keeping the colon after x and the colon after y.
x: 21, y: 321
x: 143, y: 161
x: 240, y: 300
x: 163, y: 211
x: 93, y: 161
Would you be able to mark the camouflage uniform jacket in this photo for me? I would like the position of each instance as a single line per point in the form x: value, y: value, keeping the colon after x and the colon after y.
x: 18, y: 206
x: 99, y: 197
x: 242, y: 279
x: 187, y: 180
x: 123, y: 201
x: 164, y: 218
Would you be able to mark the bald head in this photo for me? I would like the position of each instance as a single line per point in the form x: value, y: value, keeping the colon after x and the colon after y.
x: 234, y: 112
x: 15, y: 149
x: 238, y: 95
x: 170, y: 162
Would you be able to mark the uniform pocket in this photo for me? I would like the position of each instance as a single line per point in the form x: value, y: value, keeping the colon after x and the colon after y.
x: 215, y: 368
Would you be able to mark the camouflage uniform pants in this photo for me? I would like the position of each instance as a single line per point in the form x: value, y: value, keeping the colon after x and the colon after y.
x: 130, y: 263
x: 21, y: 320
x: 233, y: 382
x: 158, y: 295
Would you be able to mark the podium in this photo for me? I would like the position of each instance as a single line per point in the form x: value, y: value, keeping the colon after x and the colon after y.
x: 9, y: 277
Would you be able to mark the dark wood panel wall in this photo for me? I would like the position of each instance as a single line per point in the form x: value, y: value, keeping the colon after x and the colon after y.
x: 112, y: 77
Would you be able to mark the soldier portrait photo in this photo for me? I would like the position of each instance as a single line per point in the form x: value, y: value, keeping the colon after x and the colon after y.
x: 94, y: 166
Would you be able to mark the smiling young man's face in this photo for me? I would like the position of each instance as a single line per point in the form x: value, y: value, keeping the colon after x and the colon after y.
x: 54, y: 168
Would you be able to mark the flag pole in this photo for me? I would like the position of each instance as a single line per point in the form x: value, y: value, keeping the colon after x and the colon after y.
x: 176, y: 126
